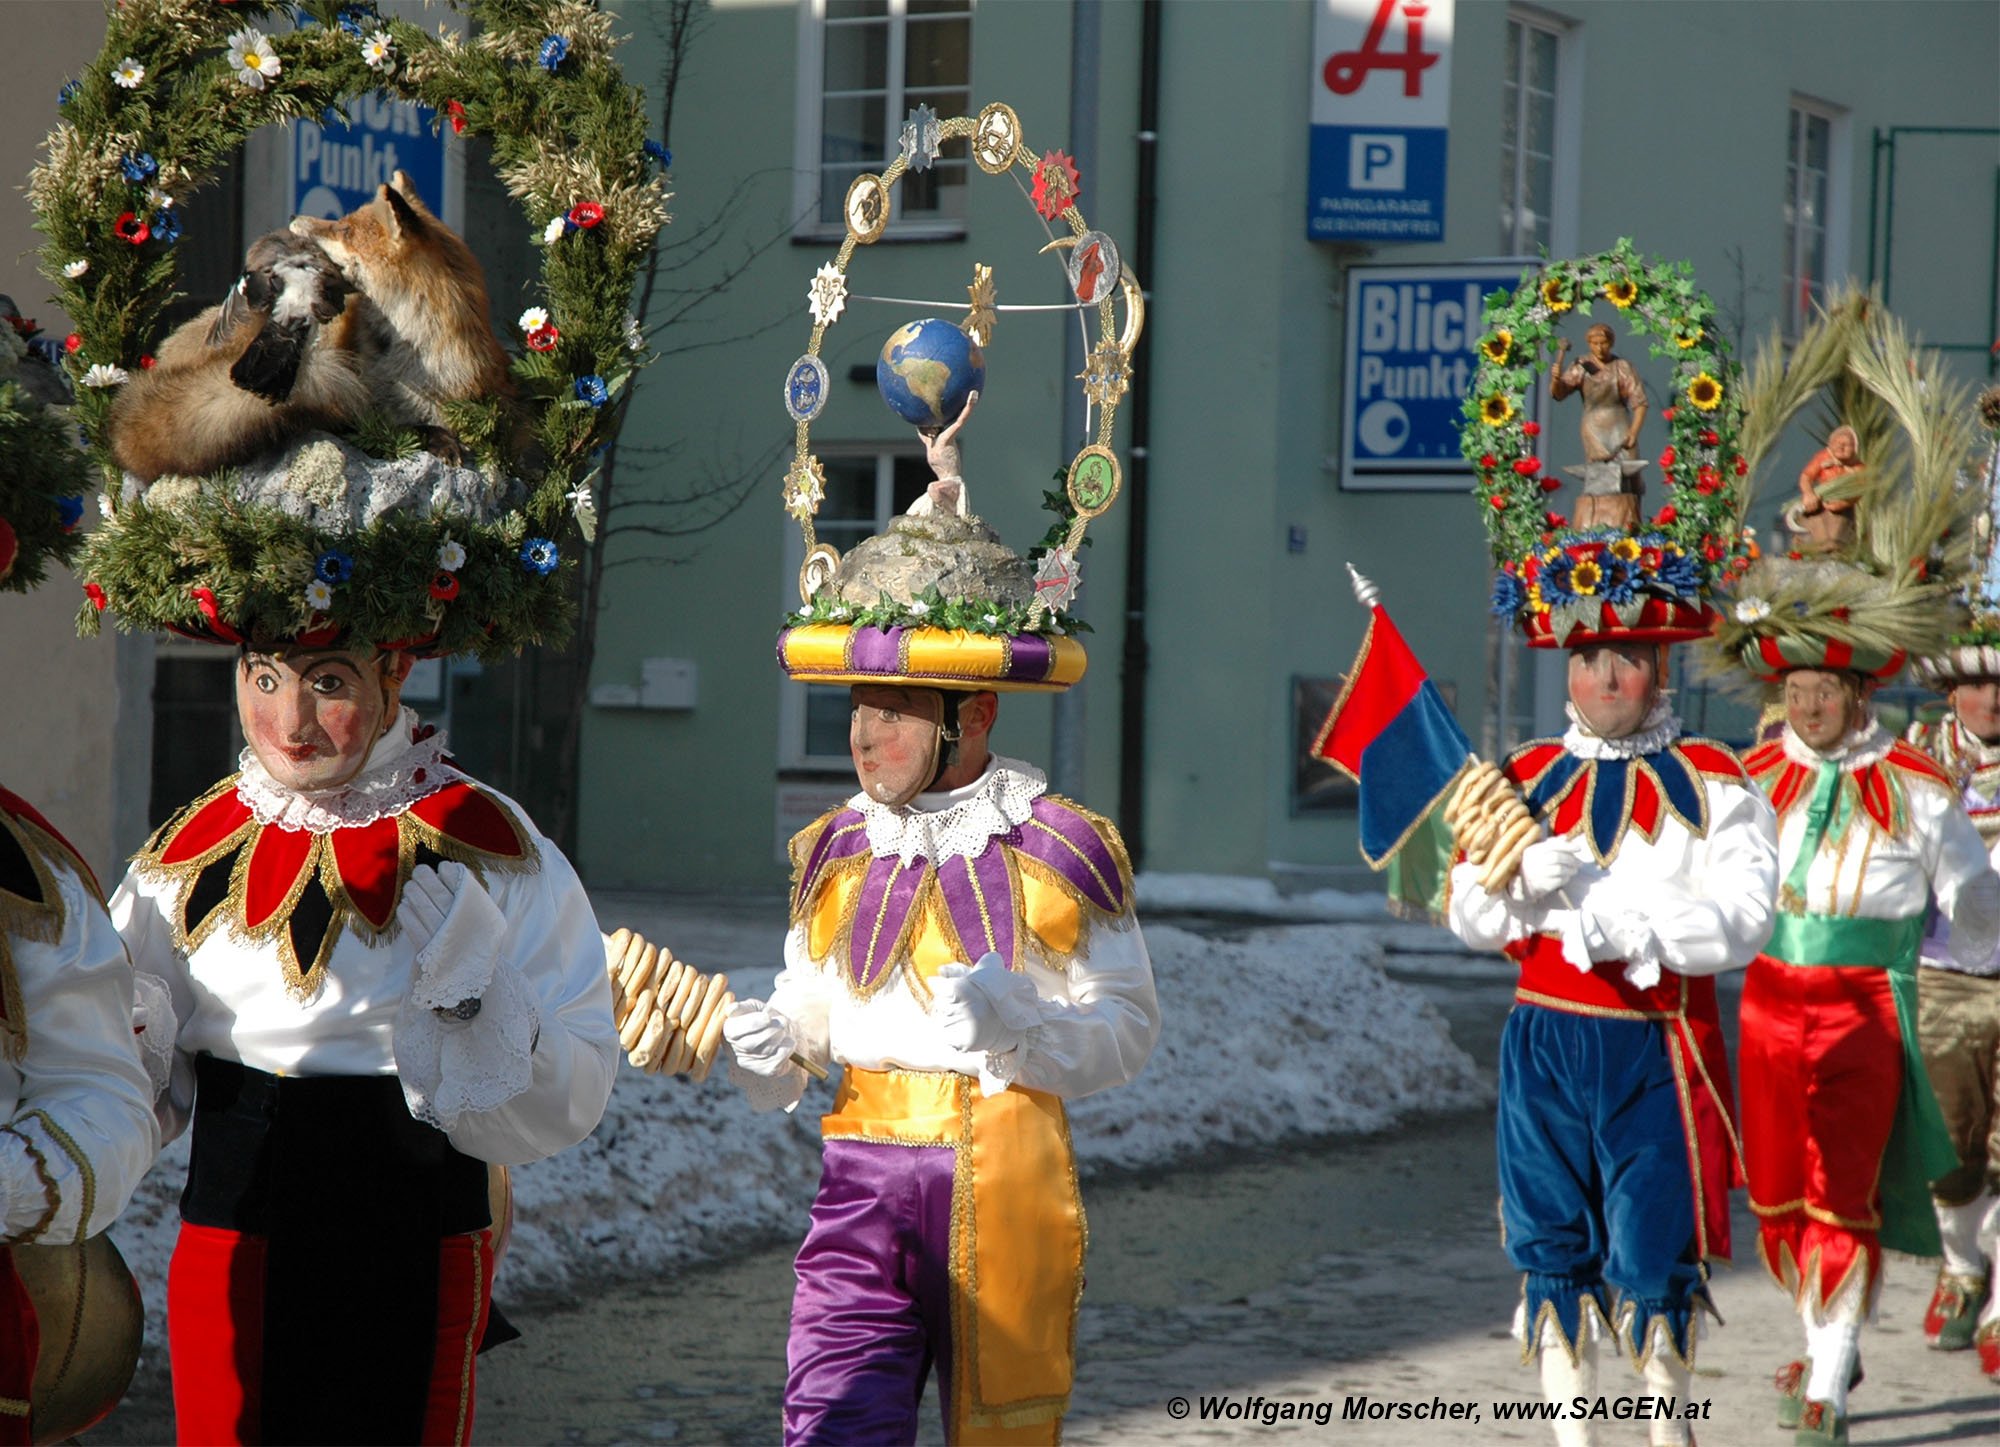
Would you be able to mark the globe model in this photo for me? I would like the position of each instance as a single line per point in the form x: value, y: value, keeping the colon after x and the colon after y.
x: 926, y: 371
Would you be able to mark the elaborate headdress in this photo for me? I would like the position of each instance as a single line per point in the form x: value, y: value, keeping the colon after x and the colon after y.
x: 1868, y: 606
x: 357, y: 542
x: 42, y: 479
x: 937, y: 601
x: 1569, y: 587
x: 1973, y: 649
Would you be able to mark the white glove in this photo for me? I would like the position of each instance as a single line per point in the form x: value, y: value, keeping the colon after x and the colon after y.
x: 457, y: 930
x: 761, y: 1039
x: 986, y: 1007
x: 1547, y: 865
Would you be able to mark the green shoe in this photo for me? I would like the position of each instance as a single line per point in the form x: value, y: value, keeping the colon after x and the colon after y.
x: 1820, y: 1426
x: 1953, y: 1315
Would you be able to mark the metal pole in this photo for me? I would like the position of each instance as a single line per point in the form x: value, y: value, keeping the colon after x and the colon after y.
x: 1067, y: 742
x: 1889, y: 223
x: 1874, y: 197
x: 1993, y: 280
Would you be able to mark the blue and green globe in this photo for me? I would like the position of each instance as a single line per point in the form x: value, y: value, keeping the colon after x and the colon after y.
x: 926, y: 371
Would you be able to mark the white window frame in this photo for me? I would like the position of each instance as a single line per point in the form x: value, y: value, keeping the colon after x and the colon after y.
x: 792, y: 755
x: 1834, y: 224
x: 1567, y: 142
x: 806, y: 168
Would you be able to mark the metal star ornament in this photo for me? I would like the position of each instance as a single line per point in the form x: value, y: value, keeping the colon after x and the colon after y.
x: 922, y: 139
x: 981, y: 316
x: 1057, y: 184
x: 1056, y: 579
x: 805, y: 488
x: 1106, y: 375
x: 827, y: 296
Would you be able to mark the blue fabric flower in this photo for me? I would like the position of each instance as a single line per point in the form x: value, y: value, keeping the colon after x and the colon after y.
x: 660, y: 153
x: 141, y: 167
x: 539, y: 555
x: 591, y: 389
x: 554, y: 51
x: 333, y: 567
x: 69, y: 510
x: 1621, y: 580
x: 1508, y: 595
x: 351, y: 20
x: 1555, y: 581
x: 1682, y: 574
x: 166, y: 225
x: 68, y: 92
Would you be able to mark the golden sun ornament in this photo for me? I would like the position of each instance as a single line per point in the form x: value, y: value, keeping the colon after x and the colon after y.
x: 1106, y: 376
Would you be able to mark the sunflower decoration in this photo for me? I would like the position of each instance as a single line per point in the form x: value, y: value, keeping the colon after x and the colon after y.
x: 1655, y: 581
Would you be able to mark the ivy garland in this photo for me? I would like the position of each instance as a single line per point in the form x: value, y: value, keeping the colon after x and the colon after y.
x: 1691, y: 542
x: 178, y: 87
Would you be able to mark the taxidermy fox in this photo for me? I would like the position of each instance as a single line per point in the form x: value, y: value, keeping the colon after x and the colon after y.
x: 278, y: 358
x: 429, y: 340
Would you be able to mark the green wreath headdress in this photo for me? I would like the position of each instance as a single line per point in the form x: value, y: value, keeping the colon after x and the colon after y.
x: 178, y: 86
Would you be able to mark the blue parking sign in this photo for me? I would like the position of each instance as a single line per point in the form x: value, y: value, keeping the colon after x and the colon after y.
x: 336, y: 168
x: 1381, y: 93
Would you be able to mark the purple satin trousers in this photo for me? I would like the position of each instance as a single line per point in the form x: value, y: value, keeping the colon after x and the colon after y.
x: 872, y: 1312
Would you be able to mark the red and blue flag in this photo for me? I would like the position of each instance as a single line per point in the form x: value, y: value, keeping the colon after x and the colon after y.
x: 1392, y: 733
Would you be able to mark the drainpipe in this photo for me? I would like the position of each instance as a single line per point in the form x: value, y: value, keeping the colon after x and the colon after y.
x: 1132, y: 694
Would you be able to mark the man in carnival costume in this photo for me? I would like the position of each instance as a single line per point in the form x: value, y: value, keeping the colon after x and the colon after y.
x: 1652, y: 870
x: 1840, y: 1128
x: 76, y: 1125
x: 963, y: 943
x: 1958, y: 1017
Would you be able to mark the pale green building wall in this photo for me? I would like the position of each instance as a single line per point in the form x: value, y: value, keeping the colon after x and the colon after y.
x: 1683, y: 150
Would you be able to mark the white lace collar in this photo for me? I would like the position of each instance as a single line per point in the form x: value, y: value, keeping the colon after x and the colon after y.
x: 954, y: 823
x: 401, y: 769
x: 1661, y: 727
x: 1866, y: 745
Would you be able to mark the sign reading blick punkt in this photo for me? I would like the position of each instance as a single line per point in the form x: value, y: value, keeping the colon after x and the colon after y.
x: 1412, y: 346
x: 1381, y: 103
x: 335, y: 168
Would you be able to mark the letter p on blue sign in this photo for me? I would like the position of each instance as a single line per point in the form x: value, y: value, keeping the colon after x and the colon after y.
x: 1377, y: 161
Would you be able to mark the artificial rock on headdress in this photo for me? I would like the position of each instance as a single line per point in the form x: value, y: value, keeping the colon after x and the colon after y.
x: 1568, y: 587
x: 1973, y: 648
x: 1868, y: 607
x: 938, y: 601
x: 355, y: 541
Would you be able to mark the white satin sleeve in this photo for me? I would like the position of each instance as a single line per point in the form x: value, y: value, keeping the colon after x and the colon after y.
x: 1481, y: 920
x: 85, y: 1102
x: 1698, y: 921
x: 137, y: 910
x: 556, y: 950
x: 1961, y: 876
x: 1103, y: 1033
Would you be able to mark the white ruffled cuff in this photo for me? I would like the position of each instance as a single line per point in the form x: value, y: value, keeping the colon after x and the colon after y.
x: 1620, y: 935
x: 1000, y: 1069
x: 782, y: 1091
x: 154, y: 1023
x: 453, y: 1067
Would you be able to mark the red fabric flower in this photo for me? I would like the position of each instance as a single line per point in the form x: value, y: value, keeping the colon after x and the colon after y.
x: 542, y: 338
x: 1796, y: 556
x: 72, y: 342
x: 1554, y: 519
x: 1499, y: 502
x: 586, y: 214
x: 1551, y: 484
x: 444, y: 585
x: 1668, y: 459
x: 1841, y: 614
x: 1741, y: 467
x: 1489, y: 462
x: 1533, y: 429
x: 1710, y: 438
x: 1057, y: 184
x: 131, y: 228
x: 1508, y: 568
x: 147, y: 362
x: 96, y: 596
x: 1668, y: 415
x: 1527, y: 466
x: 1713, y: 552
x: 455, y: 112
x: 1548, y: 537
x: 1665, y: 515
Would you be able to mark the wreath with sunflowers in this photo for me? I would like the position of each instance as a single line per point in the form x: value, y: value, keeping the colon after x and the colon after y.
x: 1554, y: 577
